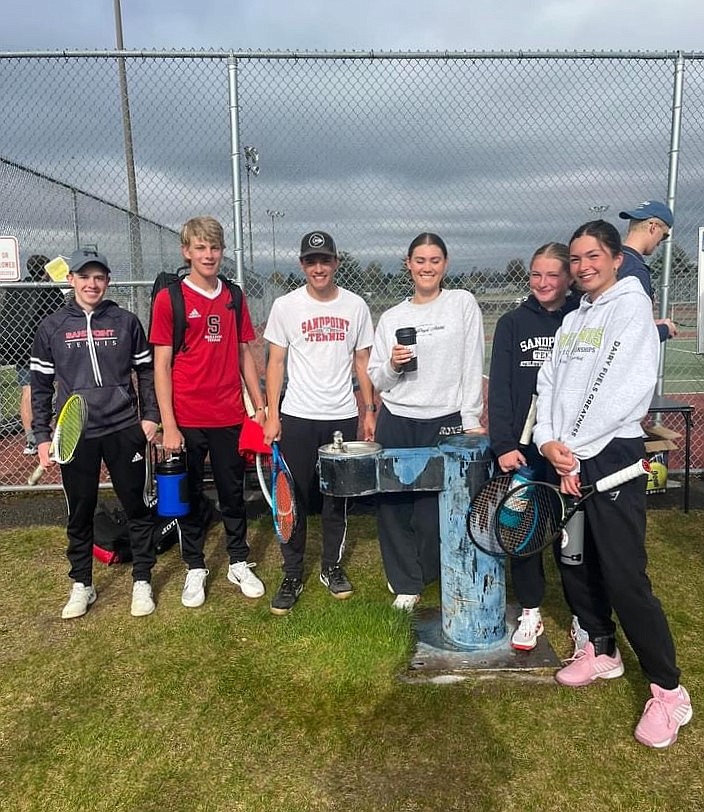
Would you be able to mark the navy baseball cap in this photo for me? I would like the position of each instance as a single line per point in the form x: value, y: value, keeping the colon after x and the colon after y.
x: 648, y: 209
x: 86, y: 256
x: 318, y: 242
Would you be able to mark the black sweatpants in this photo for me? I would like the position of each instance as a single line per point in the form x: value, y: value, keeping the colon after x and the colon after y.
x: 123, y: 452
x: 228, y: 472
x: 408, y: 522
x: 528, y: 574
x: 300, y: 440
x: 613, y: 575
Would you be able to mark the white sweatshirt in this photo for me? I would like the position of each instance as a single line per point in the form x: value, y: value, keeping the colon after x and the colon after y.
x: 600, y: 379
x: 450, y: 351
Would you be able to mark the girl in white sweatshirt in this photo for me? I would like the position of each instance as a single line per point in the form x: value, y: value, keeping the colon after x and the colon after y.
x: 592, y: 395
x: 443, y: 396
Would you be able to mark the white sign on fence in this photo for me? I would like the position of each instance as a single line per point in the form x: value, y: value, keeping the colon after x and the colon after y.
x: 9, y: 260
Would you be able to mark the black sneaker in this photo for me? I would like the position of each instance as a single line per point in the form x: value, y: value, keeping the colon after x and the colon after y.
x: 288, y: 593
x: 336, y: 581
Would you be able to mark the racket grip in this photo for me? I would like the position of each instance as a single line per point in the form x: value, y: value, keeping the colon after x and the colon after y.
x: 529, y: 425
x: 624, y: 475
x: 36, y: 475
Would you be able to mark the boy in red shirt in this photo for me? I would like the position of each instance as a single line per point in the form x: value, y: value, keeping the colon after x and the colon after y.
x: 200, y: 399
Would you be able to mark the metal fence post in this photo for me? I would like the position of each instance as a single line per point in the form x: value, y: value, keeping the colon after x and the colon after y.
x: 235, y: 164
x: 673, y: 167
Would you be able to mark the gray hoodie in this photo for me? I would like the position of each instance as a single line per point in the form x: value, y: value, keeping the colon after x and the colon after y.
x: 600, y: 379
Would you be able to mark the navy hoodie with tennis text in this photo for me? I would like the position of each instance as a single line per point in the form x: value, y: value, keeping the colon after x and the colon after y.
x: 523, y: 340
x: 92, y: 354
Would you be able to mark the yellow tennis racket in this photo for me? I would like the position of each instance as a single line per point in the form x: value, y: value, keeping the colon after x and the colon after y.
x: 69, y: 429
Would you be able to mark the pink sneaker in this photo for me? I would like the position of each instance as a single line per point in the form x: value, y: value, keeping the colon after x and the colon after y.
x: 586, y: 667
x: 663, y: 716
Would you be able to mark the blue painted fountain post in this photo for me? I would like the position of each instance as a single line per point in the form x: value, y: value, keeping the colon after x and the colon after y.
x: 473, y: 584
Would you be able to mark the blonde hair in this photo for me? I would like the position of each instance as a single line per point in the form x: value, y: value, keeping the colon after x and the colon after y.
x: 204, y: 228
x: 554, y: 250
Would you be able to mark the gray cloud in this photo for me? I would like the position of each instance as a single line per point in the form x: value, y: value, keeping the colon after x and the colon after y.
x: 365, y: 24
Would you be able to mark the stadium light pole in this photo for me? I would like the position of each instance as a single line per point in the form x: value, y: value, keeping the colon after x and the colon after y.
x: 134, y: 223
x: 251, y: 165
x: 274, y: 214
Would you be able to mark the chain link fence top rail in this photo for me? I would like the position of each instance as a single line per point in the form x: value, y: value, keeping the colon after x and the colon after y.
x: 498, y: 153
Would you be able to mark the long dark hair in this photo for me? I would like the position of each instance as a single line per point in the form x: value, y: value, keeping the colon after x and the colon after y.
x: 427, y: 238
x: 604, y: 233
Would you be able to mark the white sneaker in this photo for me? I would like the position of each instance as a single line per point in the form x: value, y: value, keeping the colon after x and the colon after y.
x: 142, y: 599
x: 530, y: 627
x: 79, y: 600
x: 193, y: 594
x: 242, y: 575
x: 406, y: 603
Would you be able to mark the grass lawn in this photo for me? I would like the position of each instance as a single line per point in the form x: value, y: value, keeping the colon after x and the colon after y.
x: 230, y: 708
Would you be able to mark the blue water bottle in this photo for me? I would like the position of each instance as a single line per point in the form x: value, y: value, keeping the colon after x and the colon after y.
x: 515, y: 505
x: 172, y: 487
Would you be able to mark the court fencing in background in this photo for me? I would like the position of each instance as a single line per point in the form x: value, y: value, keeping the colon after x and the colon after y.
x: 498, y: 153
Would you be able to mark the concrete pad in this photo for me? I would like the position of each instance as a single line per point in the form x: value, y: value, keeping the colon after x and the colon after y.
x: 437, y: 660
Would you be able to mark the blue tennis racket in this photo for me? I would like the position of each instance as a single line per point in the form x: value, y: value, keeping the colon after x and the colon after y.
x: 533, y: 515
x: 283, y: 496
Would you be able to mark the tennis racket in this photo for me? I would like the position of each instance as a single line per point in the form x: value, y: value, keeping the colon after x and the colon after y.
x: 283, y: 497
x: 529, y: 425
x: 533, y: 515
x: 264, y: 472
x: 481, y: 515
x: 69, y: 429
x: 482, y: 508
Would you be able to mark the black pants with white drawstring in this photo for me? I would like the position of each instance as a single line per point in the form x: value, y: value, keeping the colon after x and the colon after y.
x: 123, y: 452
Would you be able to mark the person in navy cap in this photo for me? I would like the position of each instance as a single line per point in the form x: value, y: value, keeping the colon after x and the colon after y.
x: 649, y: 224
x: 93, y: 346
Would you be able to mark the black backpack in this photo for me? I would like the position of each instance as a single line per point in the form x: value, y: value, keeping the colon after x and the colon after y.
x: 172, y: 281
x: 111, y: 543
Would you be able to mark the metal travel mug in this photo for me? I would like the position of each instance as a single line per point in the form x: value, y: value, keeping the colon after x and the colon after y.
x: 407, y: 337
x: 572, y: 546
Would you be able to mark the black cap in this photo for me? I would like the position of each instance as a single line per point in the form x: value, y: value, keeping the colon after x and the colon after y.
x: 318, y: 242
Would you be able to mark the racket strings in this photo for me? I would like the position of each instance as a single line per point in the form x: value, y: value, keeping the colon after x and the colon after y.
x: 482, y: 515
x: 528, y: 519
x: 69, y: 428
x: 284, y: 505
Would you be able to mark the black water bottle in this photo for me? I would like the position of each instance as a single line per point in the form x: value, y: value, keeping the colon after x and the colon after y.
x: 407, y: 337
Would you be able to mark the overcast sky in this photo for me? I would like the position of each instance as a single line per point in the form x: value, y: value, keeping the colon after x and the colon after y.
x: 499, y: 160
x: 360, y: 25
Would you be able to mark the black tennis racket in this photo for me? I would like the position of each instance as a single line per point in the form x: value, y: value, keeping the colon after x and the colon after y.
x: 482, y: 508
x: 533, y: 515
x: 283, y: 496
x: 69, y: 430
x: 482, y: 514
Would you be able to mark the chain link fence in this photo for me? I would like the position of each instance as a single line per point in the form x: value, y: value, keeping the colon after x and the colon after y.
x: 498, y: 153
